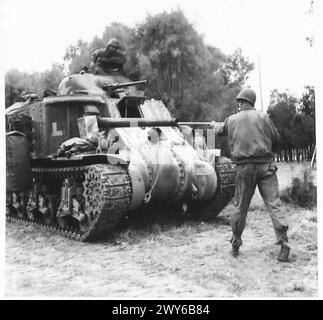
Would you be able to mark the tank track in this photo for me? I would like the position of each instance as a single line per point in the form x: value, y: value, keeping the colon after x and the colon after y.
x: 226, y: 171
x: 107, y: 193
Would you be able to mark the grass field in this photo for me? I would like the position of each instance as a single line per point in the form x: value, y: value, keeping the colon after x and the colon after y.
x: 190, y: 260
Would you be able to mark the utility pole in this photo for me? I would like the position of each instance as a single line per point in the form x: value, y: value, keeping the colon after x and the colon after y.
x: 260, y: 86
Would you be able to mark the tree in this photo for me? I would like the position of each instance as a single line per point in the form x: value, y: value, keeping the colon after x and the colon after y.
x: 77, y: 56
x: 282, y: 111
x: 236, y: 69
x: 306, y: 109
x: 174, y: 52
x: 307, y: 101
x: 17, y: 82
x: 303, y: 134
x: 50, y: 79
x: 196, y: 81
x: 294, y: 119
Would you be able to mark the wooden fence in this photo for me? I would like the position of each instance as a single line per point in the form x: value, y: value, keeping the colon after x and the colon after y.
x: 295, y: 154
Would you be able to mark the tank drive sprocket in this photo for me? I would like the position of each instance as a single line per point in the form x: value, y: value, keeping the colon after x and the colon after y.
x: 225, y: 171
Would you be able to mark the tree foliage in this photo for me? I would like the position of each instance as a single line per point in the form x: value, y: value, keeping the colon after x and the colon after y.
x: 77, y: 56
x: 307, y: 103
x: 294, y: 118
x: 17, y: 82
x: 196, y: 81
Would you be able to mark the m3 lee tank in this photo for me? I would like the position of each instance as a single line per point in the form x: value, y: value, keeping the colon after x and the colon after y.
x: 99, y: 150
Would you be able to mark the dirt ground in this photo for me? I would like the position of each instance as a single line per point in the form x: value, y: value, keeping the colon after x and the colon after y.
x: 167, y: 261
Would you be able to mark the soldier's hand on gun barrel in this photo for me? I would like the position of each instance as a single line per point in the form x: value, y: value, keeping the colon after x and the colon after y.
x: 216, y: 126
x: 212, y: 124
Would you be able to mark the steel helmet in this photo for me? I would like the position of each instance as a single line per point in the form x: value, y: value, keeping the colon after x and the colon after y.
x: 248, y: 95
x: 114, y: 42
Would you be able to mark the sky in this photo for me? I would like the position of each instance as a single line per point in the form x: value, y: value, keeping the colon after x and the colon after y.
x: 270, y: 32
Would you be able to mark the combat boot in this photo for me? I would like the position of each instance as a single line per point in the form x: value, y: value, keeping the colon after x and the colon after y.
x: 236, y: 242
x: 235, y: 250
x: 284, y: 252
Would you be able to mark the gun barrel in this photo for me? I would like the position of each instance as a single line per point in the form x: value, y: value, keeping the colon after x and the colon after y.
x: 202, y: 125
x: 134, y: 122
x: 124, y: 84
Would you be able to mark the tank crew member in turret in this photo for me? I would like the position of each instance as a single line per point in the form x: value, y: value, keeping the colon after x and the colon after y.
x: 111, y: 59
x: 252, y: 136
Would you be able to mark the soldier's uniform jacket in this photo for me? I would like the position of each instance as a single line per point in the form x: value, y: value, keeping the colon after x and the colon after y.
x: 252, y: 136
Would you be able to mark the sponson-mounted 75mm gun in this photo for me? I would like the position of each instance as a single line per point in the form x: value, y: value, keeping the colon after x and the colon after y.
x: 98, y: 150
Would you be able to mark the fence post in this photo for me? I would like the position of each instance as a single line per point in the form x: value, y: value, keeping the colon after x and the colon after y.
x: 313, y: 158
x: 297, y: 154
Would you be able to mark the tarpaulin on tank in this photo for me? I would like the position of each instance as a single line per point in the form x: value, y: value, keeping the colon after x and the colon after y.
x: 18, y: 167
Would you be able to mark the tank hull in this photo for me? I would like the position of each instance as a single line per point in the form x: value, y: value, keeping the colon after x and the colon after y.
x: 109, y: 193
x: 99, y: 151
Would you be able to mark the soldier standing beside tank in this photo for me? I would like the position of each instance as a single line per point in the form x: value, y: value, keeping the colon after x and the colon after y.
x: 110, y: 59
x: 252, y: 136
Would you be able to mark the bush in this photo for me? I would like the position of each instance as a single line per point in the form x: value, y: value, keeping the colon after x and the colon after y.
x: 302, y: 191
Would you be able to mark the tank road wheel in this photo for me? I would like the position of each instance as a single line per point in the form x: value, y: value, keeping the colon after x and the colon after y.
x: 32, y: 211
x: 31, y: 215
x: 49, y: 212
x: 61, y: 217
x: 63, y: 212
x: 19, y: 204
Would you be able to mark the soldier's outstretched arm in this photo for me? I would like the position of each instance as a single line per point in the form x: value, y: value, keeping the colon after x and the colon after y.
x: 221, y: 128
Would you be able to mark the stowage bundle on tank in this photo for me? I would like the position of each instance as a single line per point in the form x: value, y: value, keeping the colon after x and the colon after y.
x: 79, y: 160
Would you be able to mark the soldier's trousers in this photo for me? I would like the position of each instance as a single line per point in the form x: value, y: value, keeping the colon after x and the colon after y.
x: 263, y: 175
